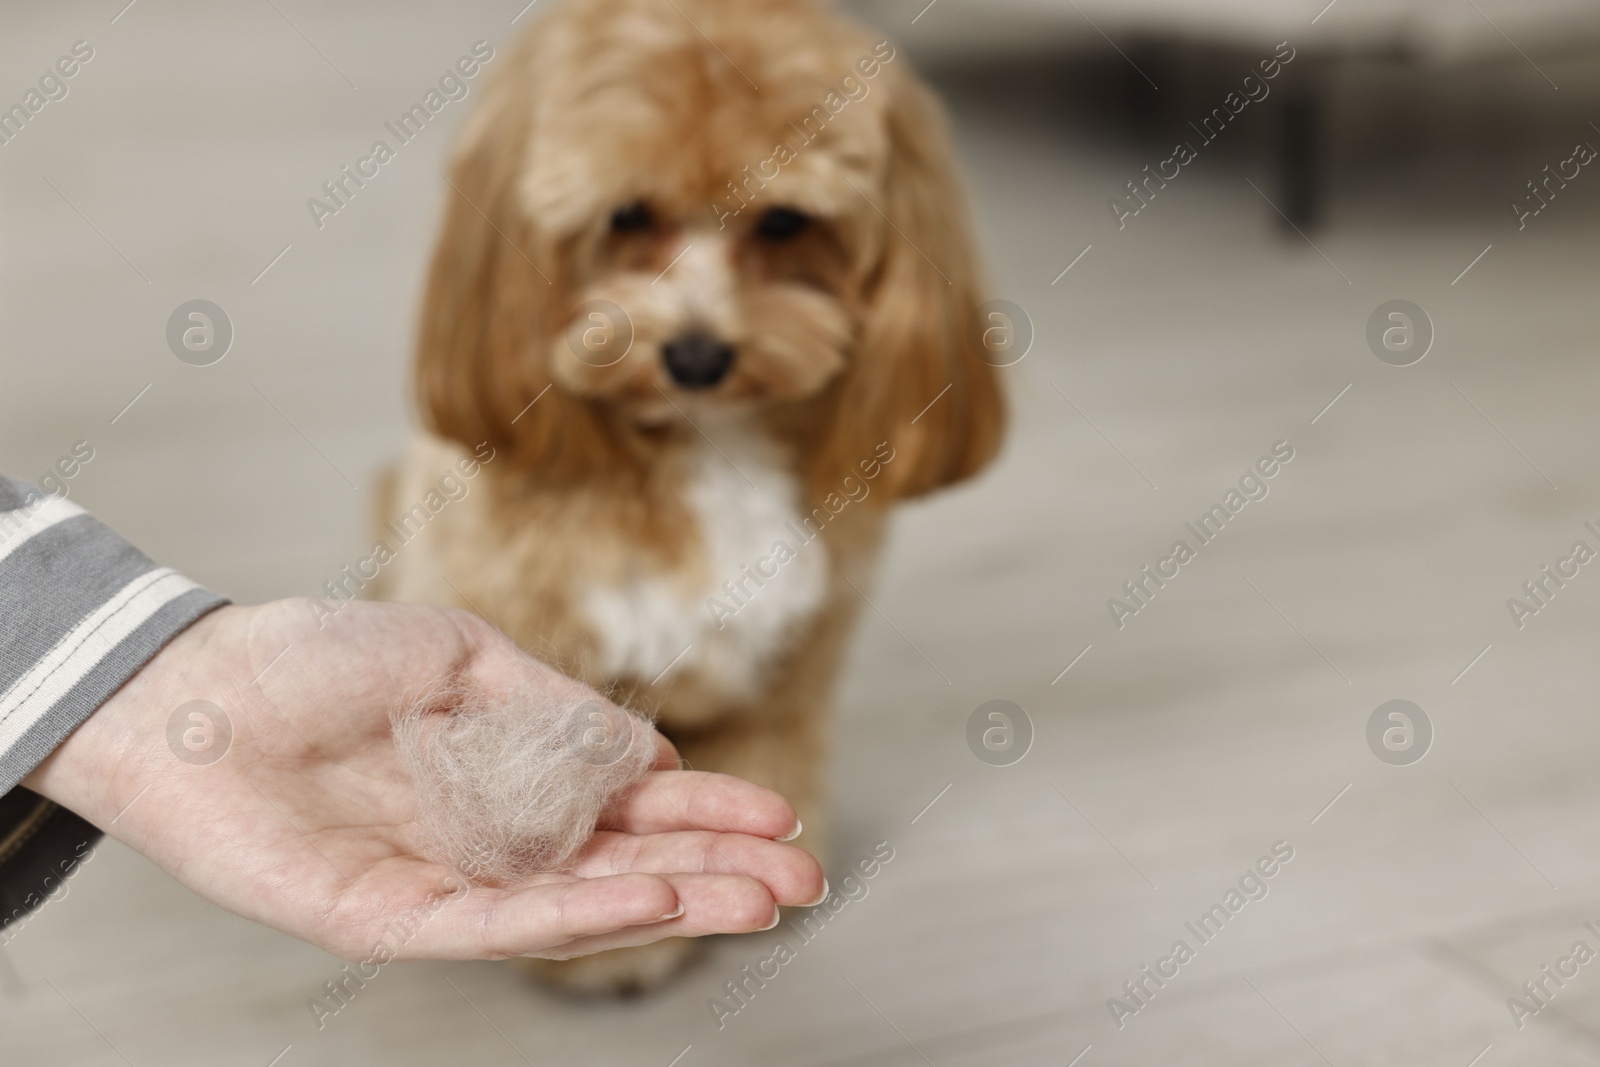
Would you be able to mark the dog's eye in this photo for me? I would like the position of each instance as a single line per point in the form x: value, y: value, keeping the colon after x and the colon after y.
x: 782, y: 224
x: 632, y: 218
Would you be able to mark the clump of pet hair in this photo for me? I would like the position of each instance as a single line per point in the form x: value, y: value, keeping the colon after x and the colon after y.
x: 511, y: 782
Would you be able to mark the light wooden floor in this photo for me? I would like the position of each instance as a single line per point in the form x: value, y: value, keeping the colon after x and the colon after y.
x: 1228, y: 715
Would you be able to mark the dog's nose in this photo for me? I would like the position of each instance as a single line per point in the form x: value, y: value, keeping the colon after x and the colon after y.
x: 697, y: 360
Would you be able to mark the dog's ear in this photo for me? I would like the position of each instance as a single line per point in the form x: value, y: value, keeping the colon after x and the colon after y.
x: 916, y: 380
x: 493, y: 307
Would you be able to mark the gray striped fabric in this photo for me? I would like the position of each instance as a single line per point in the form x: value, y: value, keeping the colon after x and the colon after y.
x: 81, y: 610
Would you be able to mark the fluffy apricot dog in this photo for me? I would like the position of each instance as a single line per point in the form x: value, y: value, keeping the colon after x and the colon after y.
x: 705, y: 292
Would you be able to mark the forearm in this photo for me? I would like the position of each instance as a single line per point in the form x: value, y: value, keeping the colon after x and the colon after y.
x: 84, y: 611
x: 101, y: 766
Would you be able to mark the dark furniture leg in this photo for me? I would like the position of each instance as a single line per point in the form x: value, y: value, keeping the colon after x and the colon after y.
x: 1299, y: 160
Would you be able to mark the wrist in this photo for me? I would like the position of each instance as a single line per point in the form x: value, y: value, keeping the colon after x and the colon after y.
x: 122, y: 746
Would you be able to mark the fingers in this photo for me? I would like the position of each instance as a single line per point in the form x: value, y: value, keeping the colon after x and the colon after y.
x: 480, y: 923
x: 696, y: 800
x: 572, y: 917
x: 713, y: 904
x: 790, y: 875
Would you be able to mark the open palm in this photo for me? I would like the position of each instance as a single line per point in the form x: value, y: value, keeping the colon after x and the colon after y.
x: 281, y: 797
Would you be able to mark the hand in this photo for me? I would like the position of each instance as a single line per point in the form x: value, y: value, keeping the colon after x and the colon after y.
x: 304, y: 822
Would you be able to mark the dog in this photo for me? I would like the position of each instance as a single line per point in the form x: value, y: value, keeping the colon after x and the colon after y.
x: 703, y: 307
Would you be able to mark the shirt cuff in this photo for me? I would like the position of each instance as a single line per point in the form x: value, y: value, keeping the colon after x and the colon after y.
x: 84, y: 612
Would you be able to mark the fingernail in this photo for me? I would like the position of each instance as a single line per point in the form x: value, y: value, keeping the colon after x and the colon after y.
x: 820, y: 899
x: 777, y: 914
x: 792, y: 834
x: 673, y: 914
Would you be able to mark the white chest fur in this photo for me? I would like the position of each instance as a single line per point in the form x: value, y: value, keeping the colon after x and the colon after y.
x: 763, y: 572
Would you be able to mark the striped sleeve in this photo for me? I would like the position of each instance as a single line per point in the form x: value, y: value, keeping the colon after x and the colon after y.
x: 83, y: 610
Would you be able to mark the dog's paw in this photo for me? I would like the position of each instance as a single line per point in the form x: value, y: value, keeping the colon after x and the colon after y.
x: 620, y: 972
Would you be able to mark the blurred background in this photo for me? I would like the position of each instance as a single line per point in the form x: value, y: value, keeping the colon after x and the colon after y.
x: 1244, y: 304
